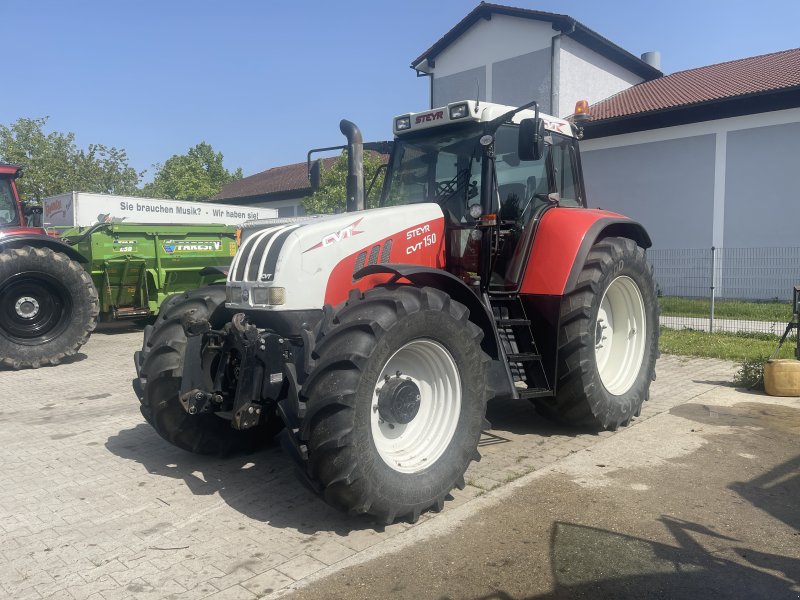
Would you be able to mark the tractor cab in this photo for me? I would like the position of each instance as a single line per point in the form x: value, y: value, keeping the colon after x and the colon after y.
x: 477, y: 162
x: 14, y: 217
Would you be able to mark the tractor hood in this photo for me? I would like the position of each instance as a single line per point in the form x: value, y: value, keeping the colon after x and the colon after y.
x: 302, y: 264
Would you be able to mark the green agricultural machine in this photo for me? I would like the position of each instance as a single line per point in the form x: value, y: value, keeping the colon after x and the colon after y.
x: 134, y: 267
x: 81, y: 258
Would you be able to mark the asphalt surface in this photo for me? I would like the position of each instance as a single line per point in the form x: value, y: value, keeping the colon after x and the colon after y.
x: 698, y: 502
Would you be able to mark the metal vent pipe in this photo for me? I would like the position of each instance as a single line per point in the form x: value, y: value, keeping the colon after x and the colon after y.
x: 653, y: 59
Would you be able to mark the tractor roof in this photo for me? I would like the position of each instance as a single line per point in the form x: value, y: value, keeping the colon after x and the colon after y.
x: 471, y: 111
x: 9, y: 169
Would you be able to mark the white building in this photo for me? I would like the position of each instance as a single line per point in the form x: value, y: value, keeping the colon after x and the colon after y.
x: 513, y: 55
x: 704, y: 157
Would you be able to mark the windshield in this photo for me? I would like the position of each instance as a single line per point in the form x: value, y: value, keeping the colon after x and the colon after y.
x: 8, y: 207
x: 442, y: 167
x: 445, y: 167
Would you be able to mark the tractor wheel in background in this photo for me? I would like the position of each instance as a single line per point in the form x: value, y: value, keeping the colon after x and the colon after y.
x: 139, y: 356
x: 48, y: 307
x: 160, y: 366
x: 391, y: 415
x: 608, y: 339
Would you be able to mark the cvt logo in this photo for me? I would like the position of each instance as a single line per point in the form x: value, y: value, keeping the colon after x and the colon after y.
x: 337, y: 236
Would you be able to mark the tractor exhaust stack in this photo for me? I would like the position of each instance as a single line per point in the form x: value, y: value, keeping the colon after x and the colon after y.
x: 355, y: 165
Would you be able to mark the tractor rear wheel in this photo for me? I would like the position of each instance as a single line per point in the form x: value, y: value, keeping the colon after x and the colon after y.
x: 608, y: 341
x: 48, y: 307
x: 160, y: 367
x: 390, y: 418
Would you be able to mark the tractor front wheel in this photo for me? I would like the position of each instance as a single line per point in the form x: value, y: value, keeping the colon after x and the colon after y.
x: 160, y: 364
x: 608, y: 341
x: 389, y: 419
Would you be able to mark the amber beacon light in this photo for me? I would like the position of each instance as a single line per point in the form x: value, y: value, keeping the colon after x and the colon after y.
x: 582, y: 111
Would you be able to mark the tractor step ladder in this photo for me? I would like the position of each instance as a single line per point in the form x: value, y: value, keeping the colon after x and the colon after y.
x: 519, y: 347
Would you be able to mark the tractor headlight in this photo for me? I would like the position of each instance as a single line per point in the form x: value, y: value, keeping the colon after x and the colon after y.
x: 233, y: 293
x: 459, y: 111
x: 402, y: 123
x: 260, y: 295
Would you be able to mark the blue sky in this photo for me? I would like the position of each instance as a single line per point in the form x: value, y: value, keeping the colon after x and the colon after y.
x: 263, y: 82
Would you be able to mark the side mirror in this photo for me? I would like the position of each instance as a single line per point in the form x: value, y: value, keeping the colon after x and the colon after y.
x: 31, y: 209
x: 314, y: 176
x: 531, y: 139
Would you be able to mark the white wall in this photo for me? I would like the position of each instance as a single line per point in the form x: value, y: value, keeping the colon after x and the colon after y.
x: 468, y: 66
x: 487, y: 42
x: 490, y: 41
x: 586, y: 75
x: 667, y: 186
x: 770, y: 219
x: 285, y: 208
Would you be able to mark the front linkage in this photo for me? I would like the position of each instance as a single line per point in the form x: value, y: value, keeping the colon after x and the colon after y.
x: 240, y: 369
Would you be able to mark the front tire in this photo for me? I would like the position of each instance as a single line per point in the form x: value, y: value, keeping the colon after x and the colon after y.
x: 389, y: 419
x: 48, y: 307
x: 608, y: 339
x: 160, y: 368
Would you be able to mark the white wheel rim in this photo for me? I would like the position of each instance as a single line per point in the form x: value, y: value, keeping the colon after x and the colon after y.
x: 620, y: 335
x: 418, y: 444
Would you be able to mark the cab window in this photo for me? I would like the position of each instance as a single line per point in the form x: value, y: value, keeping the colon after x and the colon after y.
x: 8, y: 208
x: 565, y: 171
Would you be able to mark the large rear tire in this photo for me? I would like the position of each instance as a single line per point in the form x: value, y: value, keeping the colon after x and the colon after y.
x: 608, y: 341
x: 48, y: 307
x: 390, y: 417
x: 160, y: 369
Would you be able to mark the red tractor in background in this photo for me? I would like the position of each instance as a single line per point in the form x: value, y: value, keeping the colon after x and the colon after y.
x: 376, y: 337
x: 48, y: 303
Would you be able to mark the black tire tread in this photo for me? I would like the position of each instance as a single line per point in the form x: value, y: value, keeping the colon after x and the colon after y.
x: 579, y: 402
x: 68, y: 344
x: 346, y: 340
x: 160, y: 368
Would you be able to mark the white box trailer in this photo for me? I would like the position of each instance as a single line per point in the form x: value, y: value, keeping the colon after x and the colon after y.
x: 84, y: 209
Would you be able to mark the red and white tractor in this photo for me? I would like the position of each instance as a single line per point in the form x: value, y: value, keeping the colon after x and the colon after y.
x: 378, y: 336
x: 48, y: 303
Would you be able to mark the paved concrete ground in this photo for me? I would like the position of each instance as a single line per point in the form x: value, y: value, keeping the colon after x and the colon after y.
x: 93, y: 504
x: 698, y: 502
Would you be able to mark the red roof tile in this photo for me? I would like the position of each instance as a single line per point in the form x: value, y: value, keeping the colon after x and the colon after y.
x: 288, y: 178
x: 743, y: 77
x: 278, y: 179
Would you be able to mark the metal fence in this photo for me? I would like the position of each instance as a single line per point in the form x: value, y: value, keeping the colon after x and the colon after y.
x: 726, y: 289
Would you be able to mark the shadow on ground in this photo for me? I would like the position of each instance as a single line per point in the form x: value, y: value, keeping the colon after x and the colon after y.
x: 261, y: 485
x: 588, y: 562
x: 115, y: 327
x: 521, y: 417
x: 776, y: 492
x: 75, y: 358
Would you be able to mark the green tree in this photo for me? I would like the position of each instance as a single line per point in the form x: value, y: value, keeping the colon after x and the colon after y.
x: 53, y: 164
x: 331, y: 196
x: 196, y: 175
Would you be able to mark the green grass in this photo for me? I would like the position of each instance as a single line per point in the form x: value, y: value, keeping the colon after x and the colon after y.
x: 726, y: 309
x: 730, y: 346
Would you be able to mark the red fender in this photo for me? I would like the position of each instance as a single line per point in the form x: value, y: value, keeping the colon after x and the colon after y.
x: 563, y: 240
